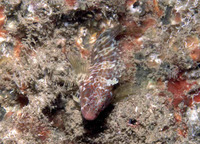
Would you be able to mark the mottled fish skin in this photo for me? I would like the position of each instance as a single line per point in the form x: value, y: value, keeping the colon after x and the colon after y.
x: 96, y: 90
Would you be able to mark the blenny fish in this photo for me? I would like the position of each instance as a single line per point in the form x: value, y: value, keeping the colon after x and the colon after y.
x: 96, y: 90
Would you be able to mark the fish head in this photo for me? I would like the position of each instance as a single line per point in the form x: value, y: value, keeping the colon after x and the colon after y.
x: 93, y: 100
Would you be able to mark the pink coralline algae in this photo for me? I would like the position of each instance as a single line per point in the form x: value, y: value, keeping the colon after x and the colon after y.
x: 96, y: 90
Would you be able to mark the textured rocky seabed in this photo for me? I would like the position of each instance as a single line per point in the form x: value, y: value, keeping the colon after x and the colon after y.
x: 46, y: 50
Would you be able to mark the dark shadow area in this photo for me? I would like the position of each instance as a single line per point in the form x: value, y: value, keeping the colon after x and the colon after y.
x: 2, y: 112
x: 56, y: 106
x: 78, y: 16
x: 95, y: 127
x: 22, y: 100
x: 98, y: 125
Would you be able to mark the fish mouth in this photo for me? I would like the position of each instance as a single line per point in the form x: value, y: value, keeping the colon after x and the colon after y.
x: 88, y: 115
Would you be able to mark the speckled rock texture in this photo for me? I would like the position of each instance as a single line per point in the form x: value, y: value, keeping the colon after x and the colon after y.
x: 46, y: 52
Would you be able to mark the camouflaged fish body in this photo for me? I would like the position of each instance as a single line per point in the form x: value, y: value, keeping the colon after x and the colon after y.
x: 96, y: 90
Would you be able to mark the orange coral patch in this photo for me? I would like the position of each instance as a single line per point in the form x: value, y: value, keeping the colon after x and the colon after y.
x: 3, y: 33
x: 191, y: 42
x: 2, y: 16
x: 197, y: 98
x: 70, y: 2
x: 177, y: 17
x: 158, y: 11
x: 134, y: 30
x: 195, y: 54
x: 84, y: 53
x: 177, y: 117
x: 130, y: 2
x: 17, y: 49
x: 29, y: 123
x: 128, y: 45
x: 178, y: 88
x: 182, y: 132
x: 43, y: 133
x: 148, y: 23
x: 8, y: 114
